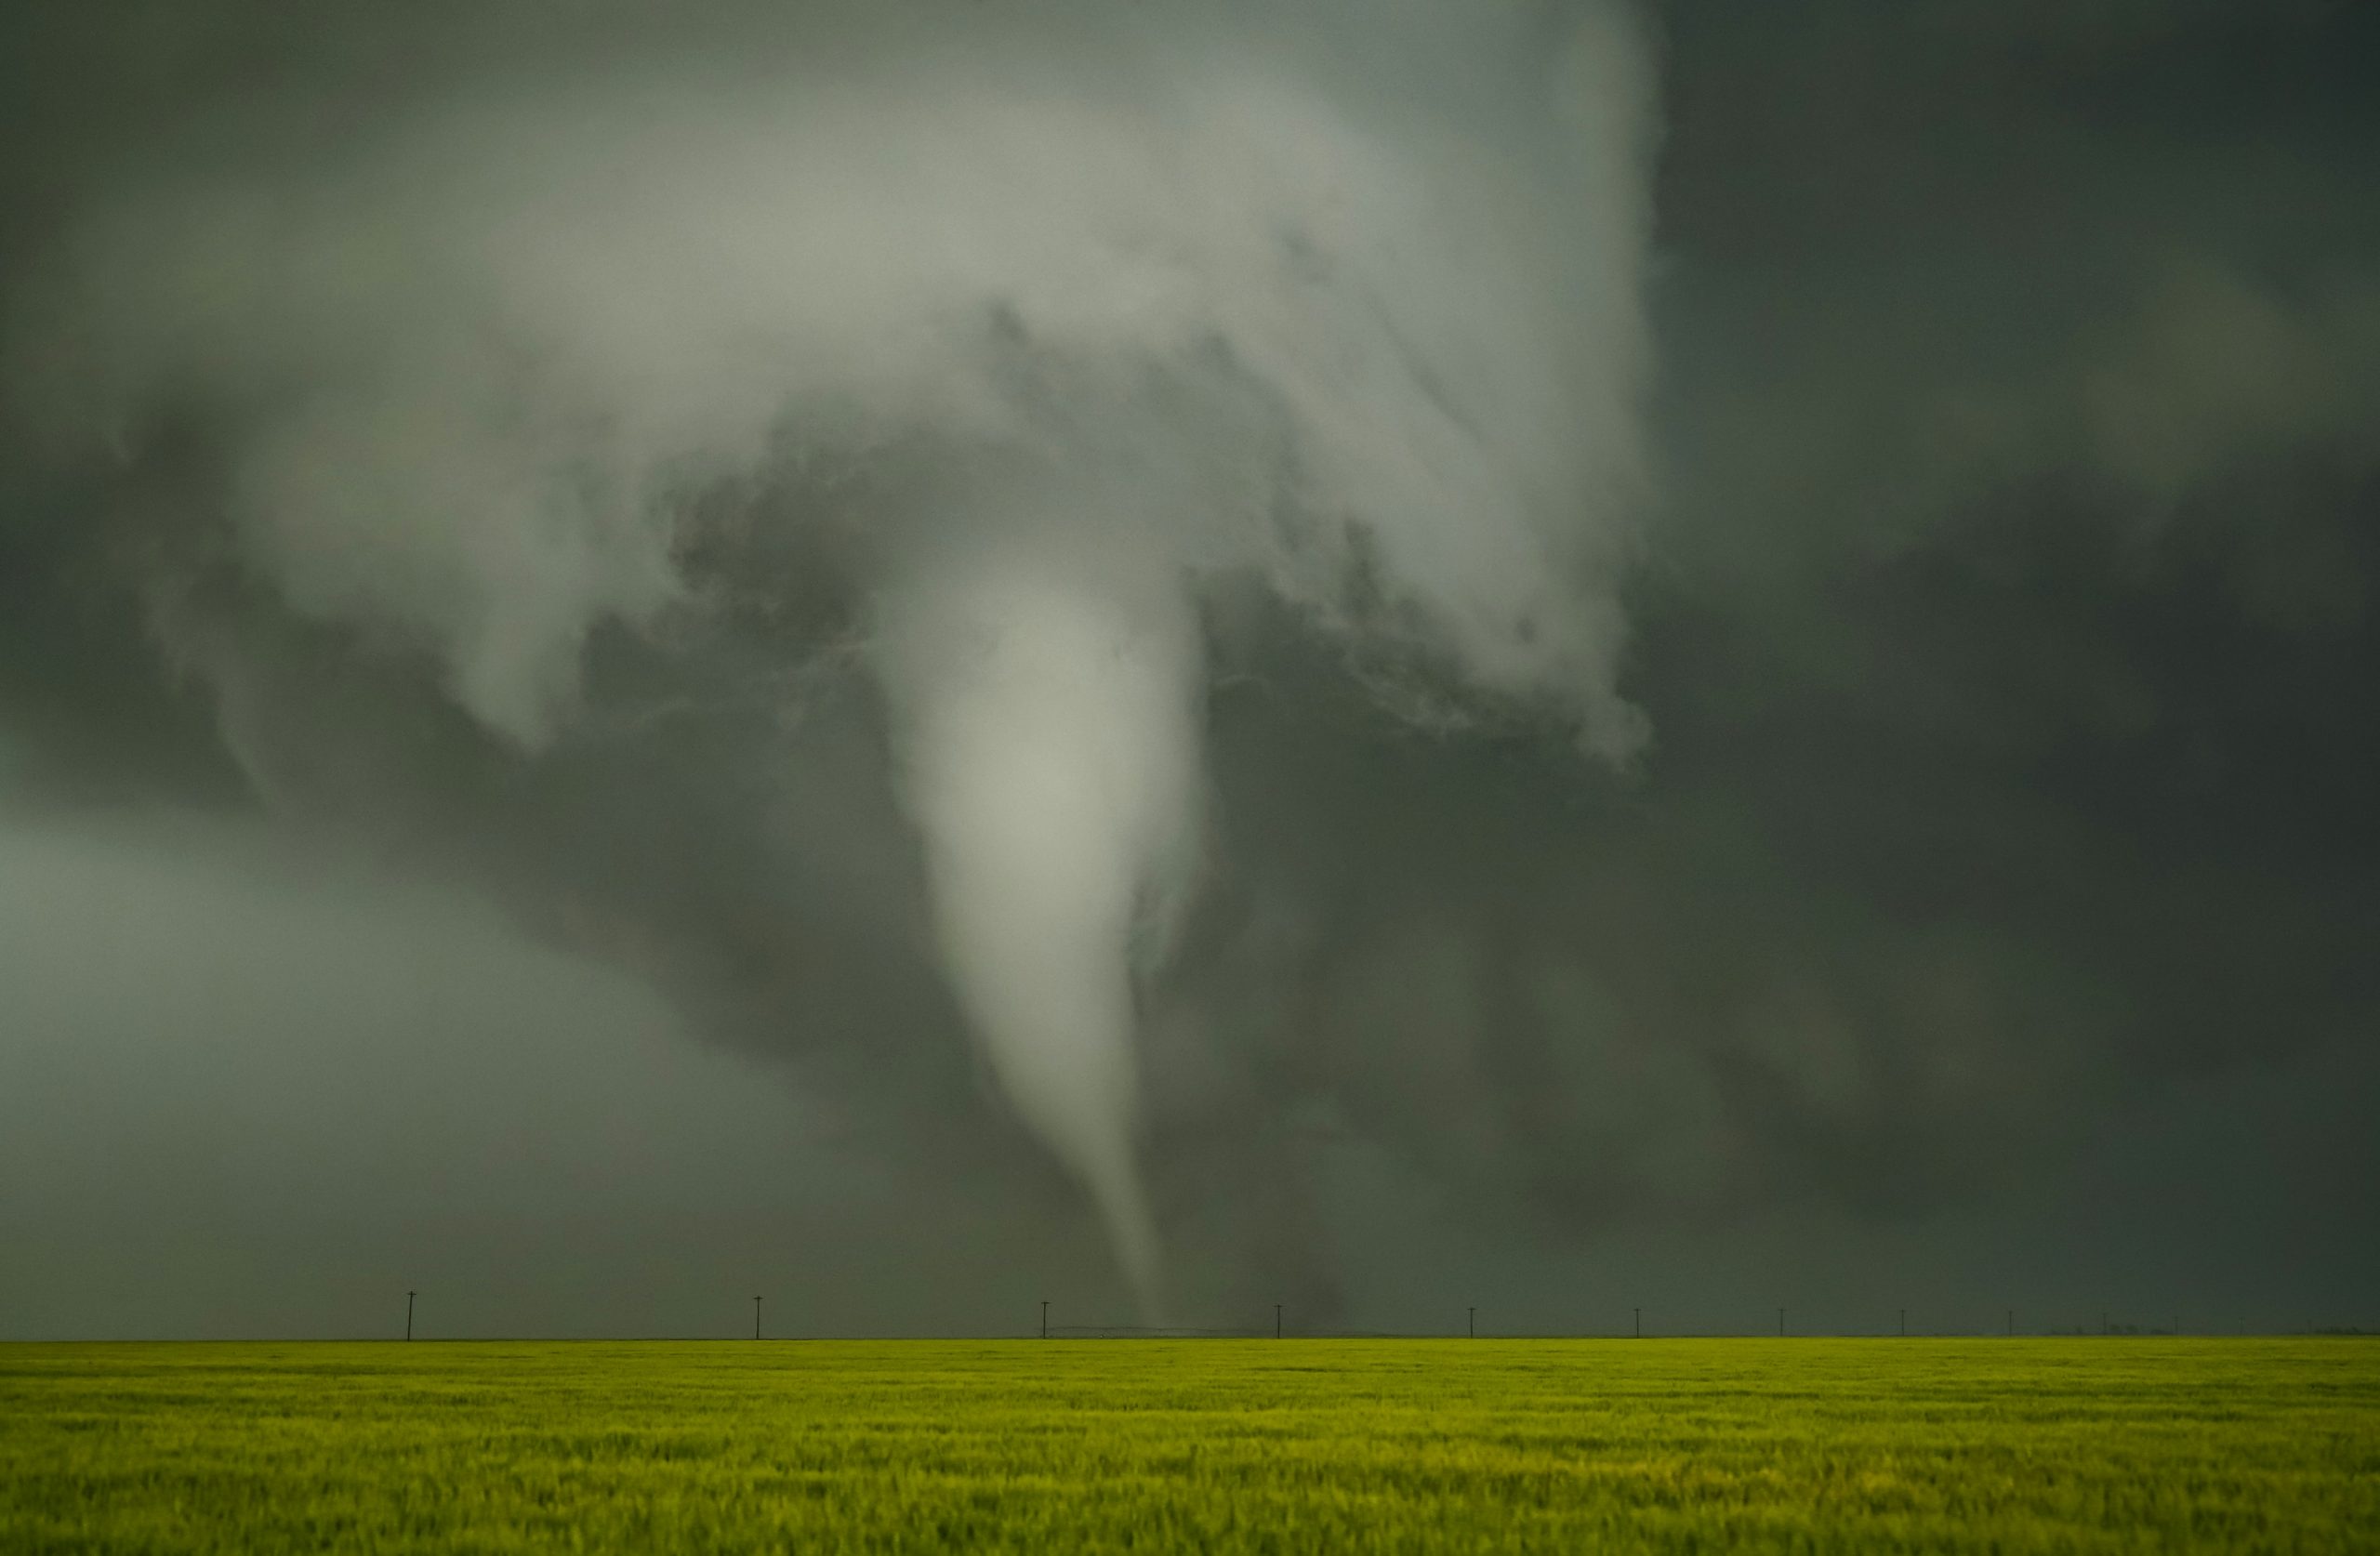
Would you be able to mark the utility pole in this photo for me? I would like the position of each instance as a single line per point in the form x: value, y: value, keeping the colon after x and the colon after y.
x: 1781, y: 1323
x: 1904, y: 1324
x: 756, y: 1318
x: 1045, y: 1320
x: 1276, y: 1320
x: 409, y: 1297
x: 1640, y: 1321
x: 1473, y: 1315
x: 2012, y: 1323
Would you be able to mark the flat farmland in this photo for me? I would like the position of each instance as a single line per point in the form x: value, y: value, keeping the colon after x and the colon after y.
x: 1029, y: 1445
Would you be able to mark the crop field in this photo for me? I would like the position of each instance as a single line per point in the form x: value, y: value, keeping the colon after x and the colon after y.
x: 1792, y: 1445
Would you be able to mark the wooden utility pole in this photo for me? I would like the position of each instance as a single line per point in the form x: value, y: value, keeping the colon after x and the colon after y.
x: 1904, y: 1323
x: 1781, y: 1323
x: 1276, y: 1320
x: 409, y: 1297
x: 756, y: 1318
x: 1472, y: 1322
x: 1640, y: 1321
x: 1045, y: 1320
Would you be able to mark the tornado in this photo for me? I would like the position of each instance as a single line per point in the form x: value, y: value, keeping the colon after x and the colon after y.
x: 1046, y: 714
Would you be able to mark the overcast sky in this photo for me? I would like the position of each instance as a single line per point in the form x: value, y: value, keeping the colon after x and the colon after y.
x: 1371, y: 654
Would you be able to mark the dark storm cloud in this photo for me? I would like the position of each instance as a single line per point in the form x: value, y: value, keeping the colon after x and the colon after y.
x: 2001, y: 620
x: 2004, y: 640
x: 2022, y: 380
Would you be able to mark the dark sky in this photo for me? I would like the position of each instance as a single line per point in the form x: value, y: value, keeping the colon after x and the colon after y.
x: 1771, y: 609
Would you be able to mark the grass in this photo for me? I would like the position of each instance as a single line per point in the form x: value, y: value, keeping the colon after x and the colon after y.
x: 1919, y: 1445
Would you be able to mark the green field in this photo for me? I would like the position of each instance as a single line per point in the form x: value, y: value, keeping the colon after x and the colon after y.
x: 1916, y: 1445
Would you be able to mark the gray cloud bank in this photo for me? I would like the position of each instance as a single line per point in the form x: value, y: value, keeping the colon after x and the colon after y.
x: 1582, y: 625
